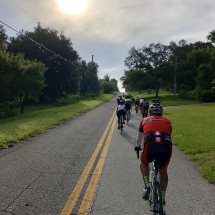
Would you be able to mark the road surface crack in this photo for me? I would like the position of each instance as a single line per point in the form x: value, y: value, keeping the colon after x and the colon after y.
x: 21, y: 194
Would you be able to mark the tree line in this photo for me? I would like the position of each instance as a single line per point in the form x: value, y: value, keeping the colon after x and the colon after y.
x: 156, y: 65
x: 29, y: 72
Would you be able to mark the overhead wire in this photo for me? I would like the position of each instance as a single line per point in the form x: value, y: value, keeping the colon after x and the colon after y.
x: 13, y: 15
x: 40, y: 45
x: 23, y: 10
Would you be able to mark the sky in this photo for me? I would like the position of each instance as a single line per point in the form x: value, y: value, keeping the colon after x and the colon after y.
x: 108, y: 29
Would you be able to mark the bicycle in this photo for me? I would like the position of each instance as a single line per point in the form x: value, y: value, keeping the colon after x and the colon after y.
x: 136, y: 108
x: 127, y: 116
x: 145, y: 113
x: 155, y: 199
x: 121, y: 123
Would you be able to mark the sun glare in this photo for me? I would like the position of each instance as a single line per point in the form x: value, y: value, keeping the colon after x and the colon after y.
x: 73, y: 6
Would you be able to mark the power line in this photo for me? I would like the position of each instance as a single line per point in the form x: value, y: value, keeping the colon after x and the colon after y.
x: 48, y: 49
x: 13, y: 15
x: 23, y: 10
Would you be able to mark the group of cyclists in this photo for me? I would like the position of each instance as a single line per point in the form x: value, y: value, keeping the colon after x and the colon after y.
x: 155, y: 135
x: 125, y: 103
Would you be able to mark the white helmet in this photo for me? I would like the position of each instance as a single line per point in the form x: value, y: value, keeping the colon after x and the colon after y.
x: 156, y: 109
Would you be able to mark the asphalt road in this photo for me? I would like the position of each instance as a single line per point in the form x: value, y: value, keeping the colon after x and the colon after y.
x: 38, y: 175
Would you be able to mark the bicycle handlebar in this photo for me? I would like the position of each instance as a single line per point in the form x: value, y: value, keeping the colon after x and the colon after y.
x: 138, y: 149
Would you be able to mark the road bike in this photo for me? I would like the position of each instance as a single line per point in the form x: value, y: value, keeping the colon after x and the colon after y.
x: 155, y: 199
x: 145, y: 113
x: 121, y: 123
x: 127, y: 116
x: 136, y: 108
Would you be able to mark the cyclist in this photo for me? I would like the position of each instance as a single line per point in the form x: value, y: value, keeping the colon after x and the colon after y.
x: 142, y: 105
x: 155, y: 131
x: 145, y: 105
x: 119, y: 99
x: 128, y: 103
x: 137, y: 102
x: 141, y: 100
x: 120, y: 111
x: 132, y: 98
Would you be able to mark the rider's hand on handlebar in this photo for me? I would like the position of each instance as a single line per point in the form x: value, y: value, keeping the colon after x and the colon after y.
x: 137, y: 148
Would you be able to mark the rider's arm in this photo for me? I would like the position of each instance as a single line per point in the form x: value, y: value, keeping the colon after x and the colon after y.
x: 140, y: 135
x: 140, y: 138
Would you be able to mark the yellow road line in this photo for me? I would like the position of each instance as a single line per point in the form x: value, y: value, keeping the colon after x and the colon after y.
x: 83, y: 210
x: 76, y: 191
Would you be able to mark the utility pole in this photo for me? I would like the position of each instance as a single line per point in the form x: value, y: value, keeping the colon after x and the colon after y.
x: 175, y: 76
x: 93, y: 78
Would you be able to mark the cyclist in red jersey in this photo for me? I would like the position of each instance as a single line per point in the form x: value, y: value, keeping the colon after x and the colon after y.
x: 155, y: 132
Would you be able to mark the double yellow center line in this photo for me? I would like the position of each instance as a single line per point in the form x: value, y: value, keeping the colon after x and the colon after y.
x: 90, y: 190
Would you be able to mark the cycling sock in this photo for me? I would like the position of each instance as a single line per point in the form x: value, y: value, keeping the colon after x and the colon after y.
x: 163, y: 196
x: 146, y: 181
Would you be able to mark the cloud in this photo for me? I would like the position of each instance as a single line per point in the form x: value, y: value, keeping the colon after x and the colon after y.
x: 108, y: 29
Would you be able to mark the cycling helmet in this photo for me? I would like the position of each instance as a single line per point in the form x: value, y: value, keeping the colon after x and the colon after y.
x: 121, y: 102
x: 156, y: 109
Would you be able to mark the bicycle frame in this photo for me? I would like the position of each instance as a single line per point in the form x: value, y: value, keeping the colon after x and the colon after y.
x: 155, y: 188
x: 121, y: 123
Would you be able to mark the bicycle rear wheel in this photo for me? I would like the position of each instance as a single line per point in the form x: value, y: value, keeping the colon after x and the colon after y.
x: 121, y: 123
x: 158, y: 206
x: 127, y: 117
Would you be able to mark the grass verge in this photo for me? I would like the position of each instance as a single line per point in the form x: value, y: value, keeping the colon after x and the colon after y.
x: 193, y: 133
x: 135, y: 93
x: 22, y: 127
x: 167, y: 99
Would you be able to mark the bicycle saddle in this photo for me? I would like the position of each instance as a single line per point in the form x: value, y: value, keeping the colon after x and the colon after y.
x: 158, y: 163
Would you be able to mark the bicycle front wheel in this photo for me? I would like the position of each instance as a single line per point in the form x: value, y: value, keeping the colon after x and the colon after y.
x: 158, y: 206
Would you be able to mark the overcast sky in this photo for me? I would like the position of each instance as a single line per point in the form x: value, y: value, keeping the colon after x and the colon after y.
x: 108, y: 29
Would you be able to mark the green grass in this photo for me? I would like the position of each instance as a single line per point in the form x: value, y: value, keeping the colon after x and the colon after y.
x: 135, y: 93
x: 193, y: 133
x: 22, y: 127
x: 167, y: 99
x: 16, y: 111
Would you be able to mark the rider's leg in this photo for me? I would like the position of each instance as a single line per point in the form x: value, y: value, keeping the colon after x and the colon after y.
x: 163, y: 176
x: 144, y: 168
x: 163, y: 179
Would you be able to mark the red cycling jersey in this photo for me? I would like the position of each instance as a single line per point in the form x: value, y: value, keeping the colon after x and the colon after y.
x: 155, y: 124
x: 157, y: 131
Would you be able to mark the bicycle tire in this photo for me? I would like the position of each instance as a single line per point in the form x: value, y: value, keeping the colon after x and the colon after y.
x: 127, y: 117
x: 121, y: 124
x: 158, y: 199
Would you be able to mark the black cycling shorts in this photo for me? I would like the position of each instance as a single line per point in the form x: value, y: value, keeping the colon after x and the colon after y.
x: 120, y: 113
x: 157, y: 150
x: 127, y: 106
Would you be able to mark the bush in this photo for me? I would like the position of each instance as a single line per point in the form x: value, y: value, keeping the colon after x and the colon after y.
x: 10, y: 113
x: 108, y: 87
x: 198, y: 95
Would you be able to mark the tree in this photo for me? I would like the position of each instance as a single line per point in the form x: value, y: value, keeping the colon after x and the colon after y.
x: 3, y: 36
x: 136, y: 80
x: 202, y: 63
x: 211, y: 36
x: 94, y: 85
x: 84, y: 78
x: 106, y: 78
x: 20, y: 78
x: 61, y: 76
x: 153, y: 60
x: 108, y: 87
x: 115, y: 82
